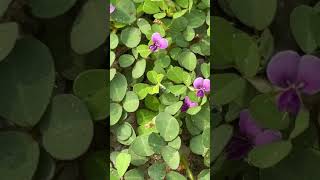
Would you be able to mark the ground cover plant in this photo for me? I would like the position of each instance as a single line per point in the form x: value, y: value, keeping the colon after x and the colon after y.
x: 266, y: 85
x: 53, y: 76
x: 159, y: 89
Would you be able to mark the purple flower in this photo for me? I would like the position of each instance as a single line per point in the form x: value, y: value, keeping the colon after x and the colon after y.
x: 187, y: 104
x: 112, y: 8
x: 158, y: 42
x: 202, y: 86
x: 294, y: 75
x: 249, y: 136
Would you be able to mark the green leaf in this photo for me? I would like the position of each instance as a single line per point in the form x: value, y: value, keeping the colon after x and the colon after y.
x: 4, y: 4
x: 118, y: 87
x: 301, y: 123
x: 126, y: 60
x: 223, y: 43
x: 175, y: 74
x: 115, y: 113
x: 183, y: 3
x: 122, y: 163
x: 50, y: 9
x: 196, y: 145
x: 266, y: 156
x: 178, y: 89
x: 188, y: 60
x: 27, y: 78
x: 179, y: 13
x: 206, y: 138
x: 159, y: 15
x: 152, y: 103
x: 171, y: 156
x: 67, y: 129
x: 246, y: 54
x: 221, y: 137
x: 176, y: 143
x: 143, y: 50
x: 154, y: 77
x: 125, y: 12
x: 254, y: 13
x: 141, y: 90
x: 90, y: 86
x: 174, y: 108
x: 159, y: 28
x: 194, y: 110
x: 172, y: 175
x: 124, y: 131
x: 8, y: 36
x: 131, y: 102
x: 46, y: 167
x: 144, y: 26
x: 112, y: 57
x: 134, y: 174
x: 88, y: 31
x: 95, y: 167
x: 227, y: 87
x: 18, y: 150
x: 301, y: 23
x: 141, y: 147
x: 156, y: 142
x: 138, y: 69
x: 205, y: 70
x: 300, y: 164
x: 157, y: 171
x: 265, y: 112
x: 189, y: 34
x: 196, y: 18
x: 114, y: 40
x: 131, y: 37
x: 150, y: 7
x: 167, y: 125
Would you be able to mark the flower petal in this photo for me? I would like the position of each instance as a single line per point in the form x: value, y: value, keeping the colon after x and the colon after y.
x: 289, y: 101
x: 283, y: 67
x: 200, y: 93
x: 309, y: 74
x: 247, y: 125
x: 267, y: 136
x: 156, y: 37
x: 163, y: 43
x: 206, y: 85
x: 198, y: 83
x: 111, y: 8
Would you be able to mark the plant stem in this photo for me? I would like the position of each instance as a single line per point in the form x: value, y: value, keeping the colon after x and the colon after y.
x: 188, y: 170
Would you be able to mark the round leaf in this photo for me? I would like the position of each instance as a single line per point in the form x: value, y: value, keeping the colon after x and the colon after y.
x: 131, y: 37
x: 27, y: 77
x: 167, y: 125
x: 18, y: 150
x: 131, y: 102
x: 50, y: 9
x: 118, y: 87
x: 67, y: 130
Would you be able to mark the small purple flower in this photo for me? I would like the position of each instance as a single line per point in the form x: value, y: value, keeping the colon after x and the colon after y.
x: 250, y: 135
x: 187, y: 104
x: 202, y: 86
x: 158, y: 42
x: 112, y: 8
x: 294, y: 75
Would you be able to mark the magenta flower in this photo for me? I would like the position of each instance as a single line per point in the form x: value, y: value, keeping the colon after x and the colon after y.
x: 202, y: 86
x: 250, y: 135
x: 187, y: 104
x: 294, y: 75
x: 158, y: 42
x: 112, y: 8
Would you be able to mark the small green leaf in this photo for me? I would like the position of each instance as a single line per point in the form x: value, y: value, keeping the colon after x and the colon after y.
x: 266, y: 156
x: 131, y: 37
x: 171, y: 156
x: 8, y: 36
x: 118, y: 87
x: 122, y: 163
x: 167, y: 125
x: 131, y: 102
x: 138, y: 69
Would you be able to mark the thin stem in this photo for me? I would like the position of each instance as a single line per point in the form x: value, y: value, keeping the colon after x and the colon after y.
x: 188, y: 170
